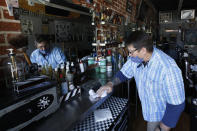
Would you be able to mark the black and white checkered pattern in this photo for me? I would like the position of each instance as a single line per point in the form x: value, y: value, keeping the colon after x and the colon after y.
x: 115, y: 105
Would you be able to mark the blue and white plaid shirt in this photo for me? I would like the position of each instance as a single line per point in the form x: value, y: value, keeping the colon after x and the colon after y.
x: 53, y: 58
x: 158, y: 83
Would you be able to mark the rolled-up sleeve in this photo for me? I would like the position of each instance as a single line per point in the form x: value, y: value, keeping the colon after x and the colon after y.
x: 33, y: 58
x: 128, y: 69
x: 59, y: 56
x: 172, y: 114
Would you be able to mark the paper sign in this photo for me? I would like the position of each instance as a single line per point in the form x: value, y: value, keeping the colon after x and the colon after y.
x: 102, y: 115
x: 10, y: 5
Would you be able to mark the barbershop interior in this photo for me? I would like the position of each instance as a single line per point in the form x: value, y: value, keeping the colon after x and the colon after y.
x: 98, y: 65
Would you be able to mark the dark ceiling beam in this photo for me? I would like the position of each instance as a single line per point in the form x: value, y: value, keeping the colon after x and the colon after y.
x: 139, y: 7
x: 180, y: 6
x: 63, y: 5
x: 150, y: 4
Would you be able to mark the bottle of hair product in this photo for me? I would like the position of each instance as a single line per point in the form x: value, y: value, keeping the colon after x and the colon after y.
x: 119, y: 61
x: 73, y: 69
x: 62, y: 71
x: 43, y: 72
x: 81, y: 67
x: 58, y: 82
x: 57, y: 78
x: 40, y: 69
x: 67, y: 67
x: 64, y: 84
x: 50, y: 71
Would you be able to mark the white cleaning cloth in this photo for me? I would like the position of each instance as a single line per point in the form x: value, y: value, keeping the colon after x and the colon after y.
x: 95, y: 95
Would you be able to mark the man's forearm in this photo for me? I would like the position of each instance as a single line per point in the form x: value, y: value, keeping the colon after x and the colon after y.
x: 119, y: 78
x: 171, y: 117
x: 116, y: 81
x: 172, y: 114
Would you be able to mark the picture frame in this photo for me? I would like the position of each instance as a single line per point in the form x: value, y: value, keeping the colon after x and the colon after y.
x: 10, y: 4
x: 129, y: 6
x: 188, y: 14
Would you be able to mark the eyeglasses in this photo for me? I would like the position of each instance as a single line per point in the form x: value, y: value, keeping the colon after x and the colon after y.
x: 131, y: 52
x: 41, y: 47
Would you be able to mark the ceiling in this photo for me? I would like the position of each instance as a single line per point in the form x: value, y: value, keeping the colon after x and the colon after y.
x: 167, y: 5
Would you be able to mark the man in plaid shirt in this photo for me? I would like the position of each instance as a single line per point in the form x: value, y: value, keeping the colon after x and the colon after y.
x: 158, y: 79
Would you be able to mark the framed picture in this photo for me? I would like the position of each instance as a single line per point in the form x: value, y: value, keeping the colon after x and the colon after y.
x: 187, y: 14
x: 129, y: 6
x: 10, y: 5
x: 109, y: 1
x: 27, y: 26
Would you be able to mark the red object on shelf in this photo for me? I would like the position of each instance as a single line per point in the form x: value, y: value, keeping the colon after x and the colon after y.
x: 109, y: 52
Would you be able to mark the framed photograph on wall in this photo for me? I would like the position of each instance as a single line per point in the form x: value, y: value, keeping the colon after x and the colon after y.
x: 129, y: 6
x: 10, y: 5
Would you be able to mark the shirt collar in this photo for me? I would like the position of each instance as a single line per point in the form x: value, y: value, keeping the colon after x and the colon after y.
x: 143, y: 63
x: 151, y: 58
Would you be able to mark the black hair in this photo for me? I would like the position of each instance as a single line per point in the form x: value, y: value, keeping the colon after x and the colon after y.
x: 140, y: 39
x: 42, y: 38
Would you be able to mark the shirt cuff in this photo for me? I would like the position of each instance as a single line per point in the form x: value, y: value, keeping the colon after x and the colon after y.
x: 172, y: 114
x: 121, y: 76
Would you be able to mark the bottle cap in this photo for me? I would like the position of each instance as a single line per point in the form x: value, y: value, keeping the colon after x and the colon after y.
x: 62, y: 66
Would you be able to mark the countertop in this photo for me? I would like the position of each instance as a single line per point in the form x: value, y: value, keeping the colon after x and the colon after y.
x: 71, y: 113
x: 9, y: 97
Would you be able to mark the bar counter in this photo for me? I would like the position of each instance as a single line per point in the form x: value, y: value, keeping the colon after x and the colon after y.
x: 9, y: 97
x: 71, y: 115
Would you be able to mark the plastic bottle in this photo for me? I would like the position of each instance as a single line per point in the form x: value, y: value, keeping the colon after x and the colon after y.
x: 62, y: 71
x: 81, y: 67
x: 73, y: 70
x: 56, y: 73
x: 119, y: 61
x: 50, y: 72
x: 43, y: 72
x: 67, y: 67
x: 64, y: 85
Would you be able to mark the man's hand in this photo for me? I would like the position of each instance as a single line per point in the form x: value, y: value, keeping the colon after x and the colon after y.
x: 163, y: 127
x: 108, y: 87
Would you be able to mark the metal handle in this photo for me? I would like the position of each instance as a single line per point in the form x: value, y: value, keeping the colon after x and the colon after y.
x: 27, y: 58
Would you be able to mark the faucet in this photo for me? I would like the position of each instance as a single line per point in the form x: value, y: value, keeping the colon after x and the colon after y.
x: 13, y: 65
